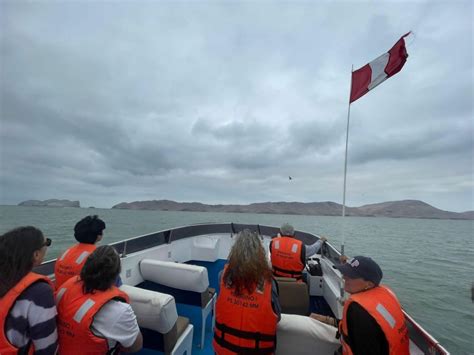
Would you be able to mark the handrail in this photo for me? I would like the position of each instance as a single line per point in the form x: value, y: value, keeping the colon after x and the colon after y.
x: 422, y: 339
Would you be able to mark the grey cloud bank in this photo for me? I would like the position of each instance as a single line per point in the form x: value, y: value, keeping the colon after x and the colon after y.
x: 218, y: 103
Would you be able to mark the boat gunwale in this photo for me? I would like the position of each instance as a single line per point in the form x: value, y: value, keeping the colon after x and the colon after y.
x: 167, y: 236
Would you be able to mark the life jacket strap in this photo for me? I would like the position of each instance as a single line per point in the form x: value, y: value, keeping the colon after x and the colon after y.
x: 258, y: 337
x: 280, y: 272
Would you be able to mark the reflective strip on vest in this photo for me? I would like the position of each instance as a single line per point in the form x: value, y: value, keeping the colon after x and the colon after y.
x: 81, y: 312
x: 277, y: 244
x: 386, y: 315
x: 64, y: 255
x: 294, y: 248
x: 60, y: 295
x: 81, y: 257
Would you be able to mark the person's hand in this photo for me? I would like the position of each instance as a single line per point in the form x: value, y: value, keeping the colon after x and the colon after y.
x: 343, y: 259
x: 324, y: 319
x: 318, y: 317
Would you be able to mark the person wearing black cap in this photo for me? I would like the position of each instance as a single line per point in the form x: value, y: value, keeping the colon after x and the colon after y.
x: 373, y: 322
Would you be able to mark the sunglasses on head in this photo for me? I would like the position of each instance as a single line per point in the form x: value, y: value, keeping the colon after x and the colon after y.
x: 47, y: 242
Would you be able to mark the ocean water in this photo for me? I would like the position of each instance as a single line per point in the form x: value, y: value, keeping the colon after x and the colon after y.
x: 428, y: 263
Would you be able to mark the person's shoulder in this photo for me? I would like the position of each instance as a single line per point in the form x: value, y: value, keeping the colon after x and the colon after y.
x: 357, y: 313
x: 122, y: 312
x: 116, y: 308
x: 356, y: 307
x: 116, y: 304
x: 40, y: 293
x: 38, y: 288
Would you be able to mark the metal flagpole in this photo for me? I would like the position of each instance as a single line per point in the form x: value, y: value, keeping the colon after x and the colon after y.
x: 345, y: 168
x: 341, y: 286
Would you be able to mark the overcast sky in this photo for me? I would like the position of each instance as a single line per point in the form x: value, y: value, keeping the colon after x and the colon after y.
x: 219, y: 102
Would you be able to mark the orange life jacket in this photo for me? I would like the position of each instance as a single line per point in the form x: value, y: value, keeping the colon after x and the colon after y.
x: 382, y: 304
x: 245, y: 324
x: 6, y: 304
x: 71, y: 262
x: 76, y: 311
x: 287, y: 260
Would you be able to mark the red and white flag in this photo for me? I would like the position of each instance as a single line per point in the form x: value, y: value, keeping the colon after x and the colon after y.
x: 379, y: 70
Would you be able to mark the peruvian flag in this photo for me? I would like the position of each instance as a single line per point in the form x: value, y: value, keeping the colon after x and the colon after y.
x: 379, y: 70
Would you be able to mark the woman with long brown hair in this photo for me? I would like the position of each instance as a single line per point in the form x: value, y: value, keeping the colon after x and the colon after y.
x: 247, y: 308
x: 27, y: 308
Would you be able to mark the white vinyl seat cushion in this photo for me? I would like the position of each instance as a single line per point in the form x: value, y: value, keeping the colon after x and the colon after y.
x: 297, y: 334
x: 180, y: 276
x: 154, y: 310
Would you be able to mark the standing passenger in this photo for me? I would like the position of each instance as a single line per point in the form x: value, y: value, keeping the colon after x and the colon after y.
x: 88, y: 231
x: 94, y: 316
x: 247, y: 308
x: 27, y: 309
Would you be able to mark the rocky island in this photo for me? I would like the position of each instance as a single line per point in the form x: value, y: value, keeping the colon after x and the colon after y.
x: 394, y: 209
x: 50, y: 203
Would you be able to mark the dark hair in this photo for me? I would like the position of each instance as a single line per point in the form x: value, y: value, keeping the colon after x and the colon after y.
x: 16, y: 255
x: 248, y: 266
x: 100, y: 269
x: 88, y: 229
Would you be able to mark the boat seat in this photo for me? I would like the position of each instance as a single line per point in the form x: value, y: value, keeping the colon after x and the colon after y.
x: 297, y: 334
x: 189, y: 284
x: 163, y: 330
x: 293, y: 296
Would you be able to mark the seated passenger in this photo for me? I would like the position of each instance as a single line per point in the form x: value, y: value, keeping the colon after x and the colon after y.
x: 94, y: 316
x: 288, y: 254
x: 247, y: 308
x: 88, y: 231
x: 373, y: 322
x: 27, y: 309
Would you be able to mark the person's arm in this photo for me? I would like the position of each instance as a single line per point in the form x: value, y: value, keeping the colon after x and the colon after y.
x: 275, y: 301
x: 325, y: 319
x: 314, y: 248
x: 365, y: 335
x: 117, y: 322
x: 42, y: 318
x: 136, y: 346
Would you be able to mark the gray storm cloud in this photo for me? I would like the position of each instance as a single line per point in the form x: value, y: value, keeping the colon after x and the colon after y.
x: 218, y: 103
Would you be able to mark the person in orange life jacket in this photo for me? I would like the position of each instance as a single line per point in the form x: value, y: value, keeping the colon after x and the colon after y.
x: 247, y: 308
x: 288, y: 254
x: 373, y: 322
x: 94, y: 316
x: 27, y: 308
x: 88, y: 232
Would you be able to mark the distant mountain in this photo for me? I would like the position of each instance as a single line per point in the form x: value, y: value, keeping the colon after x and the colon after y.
x: 50, y: 203
x: 397, y: 209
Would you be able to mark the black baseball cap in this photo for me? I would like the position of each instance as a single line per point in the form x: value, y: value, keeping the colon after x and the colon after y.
x: 361, y: 267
